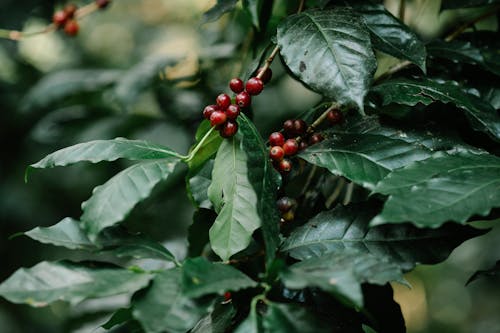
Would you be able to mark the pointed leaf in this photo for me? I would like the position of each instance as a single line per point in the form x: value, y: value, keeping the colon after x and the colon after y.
x: 411, y: 92
x: 453, y: 4
x: 492, y: 272
x: 163, y: 307
x: 234, y: 199
x: 345, y: 228
x: 119, y: 317
x: 442, y: 188
x: 51, y: 281
x: 342, y: 273
x: 392, y: 36
x: 208, y: 149
x: 111, y: 202
x: 201, y: 277
x: 218, y: 321
x: 292, y: 318
x: 330, y: 51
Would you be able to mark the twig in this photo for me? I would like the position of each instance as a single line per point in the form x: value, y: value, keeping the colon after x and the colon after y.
x: 348, y: 194
x: 309, y: 179
x: 322, y: 117
x: 402, y: 10
x: 338, y: 189
x: 471, y: 23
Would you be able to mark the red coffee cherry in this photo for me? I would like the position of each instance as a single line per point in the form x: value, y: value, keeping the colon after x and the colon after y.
x: 288, y: 216
x: 303, y: 145
x: 266, y: 77
x: 276, y: 139
x: 291, y: 147
x: 227, y: 296
x: 102, y: 3
x: 285, y: 166
x: 59, y: 18
x: 288, y: 127
x: 70, y: 10
x: 315, y: 138
x: 232, y: 111
x: 217, y: 118
x: 243, y: 99
x: 254, y: 86
x: 229, y: 129
x: 299, y: 127
x: 276, y: 153
x: 71, y: 28
x: 285, y: 204
x: 335, y: 116
x: 236, y: 85
x: 208, y: 110
x: 223, y: 101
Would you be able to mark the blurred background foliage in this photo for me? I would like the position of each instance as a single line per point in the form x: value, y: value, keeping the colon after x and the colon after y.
x: 144, y: 70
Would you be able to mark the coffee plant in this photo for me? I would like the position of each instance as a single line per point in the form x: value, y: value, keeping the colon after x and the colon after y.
x: 302, y: 228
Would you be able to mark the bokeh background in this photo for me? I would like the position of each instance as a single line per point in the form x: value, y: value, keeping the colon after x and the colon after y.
x: 111, y: 81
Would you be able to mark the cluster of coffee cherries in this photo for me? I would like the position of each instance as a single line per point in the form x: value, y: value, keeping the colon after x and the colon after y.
x: 224, y: 113
x: 65, y: 18
x: 286, y: 206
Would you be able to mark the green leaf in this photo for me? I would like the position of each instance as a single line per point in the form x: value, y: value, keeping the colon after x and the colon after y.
x: 164, y: 307
x: 203, y: 219
x: 342, y: 273
x: 234, y: 199
x: 218, y: 321
x: 254, y: 8
x: 392, y: 36
x: 72, y: 282
x: 454, y: 4
x: 207, y: 149
x: 219, y: 9
x: 292, y: 318
x: 265, y: 181
x: 201, y: 277
x: 198, y: 183
x: 492, y: 272
x: 111, y: 202
x: 426, y: 91
x: 364, y: 158
x: 339, y: 41
x: 252, y: 324
x: 439, y: 189
x: 119, y: 317
x: 345, y: 228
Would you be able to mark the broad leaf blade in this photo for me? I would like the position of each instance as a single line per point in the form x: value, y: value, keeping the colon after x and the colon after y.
x: 201, y: 277
x: 208, y: 149
x: 391, y: 36
x: 51, y: 281
x: 218, y: 321
x: 442, y: 188
x: 292, y: 318
x: 345, y: 228
x: 339, y: 41
x: 111, y: 202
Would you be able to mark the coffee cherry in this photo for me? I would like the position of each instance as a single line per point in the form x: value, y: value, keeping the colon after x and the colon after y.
x: 266, y: 77
x: 315, y: 138
x: 288, y: 216
x: 276, y: 153
x: 71, y: 28
x: 288, y: 126
x: 227, y: 296
x: 335, y: 116
x: 223, y: 101
x: 236, y: 85
x: 232, y: 111
x: 290, y: 147
x: 276, y: 139
x: 229, y: 129
x: 217, y: 118
x: 303, y: 145
x: 243, y: 99
x: 59, y: 18
x: 285, y: 204
x: 285, y: 165
x: 70, y: 10
x: 102, y: 3
x: 208, y: 110
x: 299, y: 127
x: 254, y: 86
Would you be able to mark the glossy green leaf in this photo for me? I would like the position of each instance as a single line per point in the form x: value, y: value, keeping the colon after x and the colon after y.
x: 491, y: 272
x: 292, y: 318
x: 253, y: 323
x: 234, y: 199
x: 218, y: 321
x: 392, y: 36
x: 254, y: 8
x: 164, y: 307
x: 119, y: 317
x: 208, y: 149
x: 67, y: 233
x: 219, y: 9
x: 345, y: 228
x: 111, y: 202
x: 442, y: 188
x: 265, y: 181
x: 198, y: 183
x: 339, y: 41
x: 342, y: 274
x: 454, y: 4
x: 426, y: 91
x: 201, y: 277
x: 72, y: 282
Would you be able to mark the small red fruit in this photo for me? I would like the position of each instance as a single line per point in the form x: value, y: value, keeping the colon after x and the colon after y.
x: 243, y: 99
x: 208, y: 110
x: 254, y: 86
x: 335, y: 116
x: 276, y: 153
x: 315, y: 138
x: 276, y: 139
x: 227, y: 296
x: 236, y: 85
x: 59, y: 18
x: 71, y: 28
x: 303, y: 145
x: 299, y: 127
x: 290, y: 147
x: 102, y: 3
x: 223, y: 100
x: 233, y: 111
x: 229, y: 129
x: 266, y: 76
x: 288, y: 126
x: 285, y: 165
x: 70, y: 10
x: 217, y: 118
x: 285, y: 204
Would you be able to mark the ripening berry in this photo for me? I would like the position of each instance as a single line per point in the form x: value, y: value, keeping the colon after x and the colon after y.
x: 335, y: 116
x: 227, y: 296
x: 217, y: 118
x: 233, y: 111
x: 303, y: 145
x: 71, y: 28
x: 243, y: 99
x: 285, y: 204
x: 229, y: 129
x: 223, y: 101
x: 276, y: 139
x: 276, y: 153
x: 266, y: 77
x: 254, y: 86
x: 208, y: 110
x: 290, y: 147
x: 288, y: 126
x: 285, y: 165
x: 315, y: 138
x: 299, y: 127
x: 236, y: 85
x: 102, y: 3
x: 59, y: 18
x: 288, y: 216
x: 70, y: 10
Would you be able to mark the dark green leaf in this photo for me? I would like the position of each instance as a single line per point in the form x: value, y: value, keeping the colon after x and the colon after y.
x: 201, y: 277
x: 342, y: 274
x: 453, y: 4
x: 265, y: 181
x: 198, y: 231
x: 411, y: 92
x: 442, y: 188
x: 234, y: 199
x: 384, y: 312
x: 252, y: 324
x: 339, y: 41
x: 163, y: 307
x: 217, y: 321
x: 198, y: 183
x: 292, y: 318
x: 345, y: 228
x: 391, y: 36
x: 111, y: 202
x: 51, y: 281
x: 208, y: 149
x: 219, y: 9
x: 492, y: 272
x: 254, y: 8
x: 120, y: 316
